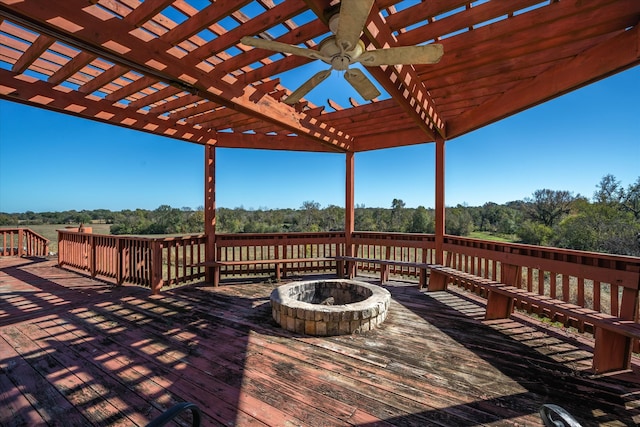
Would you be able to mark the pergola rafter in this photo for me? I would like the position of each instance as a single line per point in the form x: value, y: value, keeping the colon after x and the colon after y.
x: 180, y: 63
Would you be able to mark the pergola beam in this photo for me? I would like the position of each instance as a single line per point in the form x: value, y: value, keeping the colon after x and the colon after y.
x: 34, y: 51
x: 614, y: 55
x: 402, y: 82
x: 262, y: 141
x: 28, y: 90
x: 153, y: 60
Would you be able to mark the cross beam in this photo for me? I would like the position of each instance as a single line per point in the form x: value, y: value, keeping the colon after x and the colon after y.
x: 402, y: 82
x: 154, y: 60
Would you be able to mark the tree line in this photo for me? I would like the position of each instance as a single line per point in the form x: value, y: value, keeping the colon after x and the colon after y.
x: 608, y: 222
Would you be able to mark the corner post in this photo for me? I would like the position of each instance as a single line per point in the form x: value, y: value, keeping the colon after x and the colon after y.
x: 440, y: 203
x: 210, y: 208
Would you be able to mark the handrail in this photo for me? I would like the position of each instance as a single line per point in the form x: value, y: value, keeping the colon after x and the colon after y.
x: 407, y: 247
x: 592, y: 280
x: 22, y: 242
x: 602, y: 282
x: 152, y: 262
x: 273, y: 246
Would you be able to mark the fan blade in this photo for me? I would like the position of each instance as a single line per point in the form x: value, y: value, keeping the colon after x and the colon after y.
x: 361, y: 83
x: 427, y: 54
x: 353, y: 17
x: 281, y: 47
x: 307, y: 86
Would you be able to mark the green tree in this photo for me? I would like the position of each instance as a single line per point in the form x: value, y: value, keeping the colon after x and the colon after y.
x: 599, y: 227
x: 398, y: 215
x: 631, y: 199
x: 548, y: 206
x: 310, y: 216
x: 421, y: 221
x: 534, y: 233
x: 458, y: 221
x: 608, y: 191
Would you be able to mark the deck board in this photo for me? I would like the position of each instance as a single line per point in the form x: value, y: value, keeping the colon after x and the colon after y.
x: 76, y: 351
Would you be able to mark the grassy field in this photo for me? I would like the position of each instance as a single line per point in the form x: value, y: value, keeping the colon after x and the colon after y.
x: 493, y: 237
x: 49, y: 231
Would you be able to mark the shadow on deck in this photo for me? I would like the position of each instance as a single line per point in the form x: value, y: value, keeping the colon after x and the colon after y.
x: 76, y: 351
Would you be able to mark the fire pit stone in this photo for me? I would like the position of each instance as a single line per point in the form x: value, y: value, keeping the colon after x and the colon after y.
x: 329, y: 307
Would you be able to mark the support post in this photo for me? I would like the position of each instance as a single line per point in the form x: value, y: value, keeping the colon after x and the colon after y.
x: 349, y: 210
x: 440, y: 206
x: 210, y: 209
x: 156, y: 266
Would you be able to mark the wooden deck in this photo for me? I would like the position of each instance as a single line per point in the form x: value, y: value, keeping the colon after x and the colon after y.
x: 75, y: 351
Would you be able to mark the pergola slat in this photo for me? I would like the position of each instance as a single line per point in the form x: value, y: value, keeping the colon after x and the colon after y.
x: 182, y: 63
x: 616, y: 54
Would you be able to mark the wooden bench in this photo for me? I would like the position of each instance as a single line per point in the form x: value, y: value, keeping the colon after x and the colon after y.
x: 351, y: 262
x: 280, y: 265
x: 613, y: 335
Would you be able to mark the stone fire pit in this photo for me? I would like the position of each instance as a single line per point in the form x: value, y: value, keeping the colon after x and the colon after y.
x: 329, y: 307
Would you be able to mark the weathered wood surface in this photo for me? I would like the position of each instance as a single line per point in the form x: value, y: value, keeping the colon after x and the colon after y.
x: 75, y: 351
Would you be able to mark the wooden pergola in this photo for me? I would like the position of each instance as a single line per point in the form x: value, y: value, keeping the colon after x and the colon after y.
x: 176, y: 68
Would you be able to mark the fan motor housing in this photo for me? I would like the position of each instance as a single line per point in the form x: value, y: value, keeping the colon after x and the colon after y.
x: 339, y: 59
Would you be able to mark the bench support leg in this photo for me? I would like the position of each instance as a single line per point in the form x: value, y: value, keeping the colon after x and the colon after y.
x: 498, y: 306
x: 423, y: 278
x: 279, y: 272
x: 351, y: 269
x: 216, y: 275
x: 384, y: 273
x: 612, y: 351
x: 340, y: 269
x: 437, y: 281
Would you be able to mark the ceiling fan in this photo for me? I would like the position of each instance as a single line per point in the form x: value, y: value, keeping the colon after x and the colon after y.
x: 344, y: 48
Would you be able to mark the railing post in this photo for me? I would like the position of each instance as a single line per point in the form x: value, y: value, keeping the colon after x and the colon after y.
x: 119, y: 261
x: 60, y: 249
x: 156, y: 266
x: 92, y: 256
x: 20, y: 242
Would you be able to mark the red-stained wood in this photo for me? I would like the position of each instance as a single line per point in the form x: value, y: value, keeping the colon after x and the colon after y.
x: 96, y: 109
x: 599, y: 60
x: 349, y: 211
x: 203, y: 19
x: 500, y: 58
x: 156, y: 54
x: 440, y: 199
x: 268, y: 142
x: 402, y: 82
x: 36, y: 49
x: 433, y: 362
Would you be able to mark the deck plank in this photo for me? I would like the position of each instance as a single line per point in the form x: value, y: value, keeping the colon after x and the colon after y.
x: 77, y: 350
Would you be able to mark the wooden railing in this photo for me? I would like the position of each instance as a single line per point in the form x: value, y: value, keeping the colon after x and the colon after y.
x: 270, y: 246
x: 22, y: 242
x: 591, y: 280
x: 150, y: 262
x: 408, y: 247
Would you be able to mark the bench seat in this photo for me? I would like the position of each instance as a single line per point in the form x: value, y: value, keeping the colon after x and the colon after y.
x: 613, y: 335
x: 351, y: 262
x: 280, y: 265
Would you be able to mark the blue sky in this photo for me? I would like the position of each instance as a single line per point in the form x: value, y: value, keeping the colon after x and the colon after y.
x: 53, y: 162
